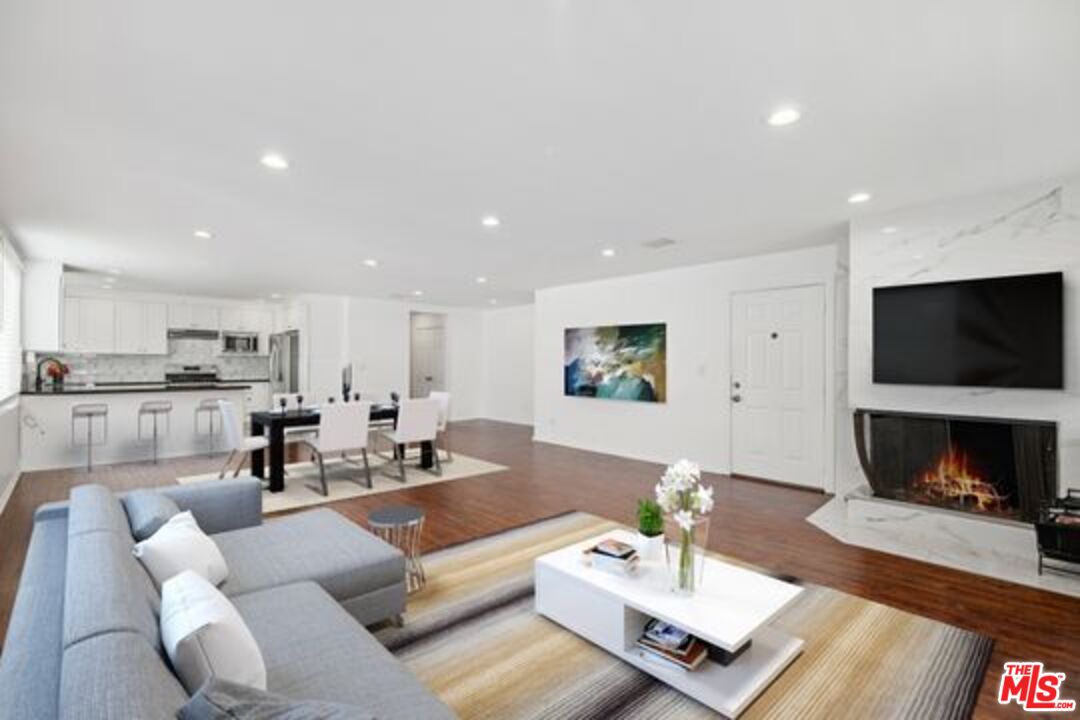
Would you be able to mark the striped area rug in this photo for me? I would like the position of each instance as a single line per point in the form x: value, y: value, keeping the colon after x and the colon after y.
x: 472, y: 636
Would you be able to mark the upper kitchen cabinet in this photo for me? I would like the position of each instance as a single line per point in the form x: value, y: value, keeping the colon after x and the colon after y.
x: 290, y: 317
x: 43, y: 306
x: 141, y: 328
x: 89, y: 325
x: 193, y: 316
x: 245, y: 319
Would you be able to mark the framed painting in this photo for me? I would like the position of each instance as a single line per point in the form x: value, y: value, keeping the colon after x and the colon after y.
x: 616, y: 362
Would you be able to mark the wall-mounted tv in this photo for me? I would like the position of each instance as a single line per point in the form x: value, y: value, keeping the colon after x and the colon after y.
x: 991, y: 332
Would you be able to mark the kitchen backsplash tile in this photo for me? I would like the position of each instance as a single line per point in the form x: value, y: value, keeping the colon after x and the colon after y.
x: 151, y: 368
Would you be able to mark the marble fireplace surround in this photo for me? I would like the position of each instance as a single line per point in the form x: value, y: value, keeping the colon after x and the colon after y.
x: 1030, y: 229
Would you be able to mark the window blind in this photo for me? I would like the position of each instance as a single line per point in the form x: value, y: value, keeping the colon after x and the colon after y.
x: 10, y: 324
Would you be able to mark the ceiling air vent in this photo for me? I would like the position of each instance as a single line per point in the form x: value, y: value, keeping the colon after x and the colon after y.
x: 658, y: 243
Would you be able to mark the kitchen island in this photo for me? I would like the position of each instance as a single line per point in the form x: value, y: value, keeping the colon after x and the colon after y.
x: 46, y: 437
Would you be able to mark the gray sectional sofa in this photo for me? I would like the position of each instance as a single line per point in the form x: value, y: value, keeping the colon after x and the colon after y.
x: 84, y: 640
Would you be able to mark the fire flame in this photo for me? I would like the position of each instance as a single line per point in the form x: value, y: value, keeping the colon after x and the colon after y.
x: 953, y: 481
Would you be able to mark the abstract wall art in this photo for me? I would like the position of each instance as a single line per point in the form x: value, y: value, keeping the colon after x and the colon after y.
x: 617, y: 362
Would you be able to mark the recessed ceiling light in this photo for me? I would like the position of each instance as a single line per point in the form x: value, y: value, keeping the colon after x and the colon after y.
x: 608, y: 252
x: 417, y: 293
x: 493, y: 301
x: 274, y: 161
x: 106, y: 287
x: 490, y: 221
x: 859, y: 198
x: 371, y: 262
x: 784, y: 116
x: 481, y: 280
x: 114, y: 271
x: 889, y: 229
x: 204, y: 234
x: 275, y: 296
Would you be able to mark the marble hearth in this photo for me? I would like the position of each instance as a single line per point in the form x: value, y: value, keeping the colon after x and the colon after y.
x: 1002, y: 549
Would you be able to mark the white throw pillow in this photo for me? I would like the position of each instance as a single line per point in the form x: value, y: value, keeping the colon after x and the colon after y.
x: 204, y: 636
x: 180, y: 545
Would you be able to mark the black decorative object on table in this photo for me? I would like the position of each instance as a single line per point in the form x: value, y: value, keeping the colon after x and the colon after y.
x: 299, y: 402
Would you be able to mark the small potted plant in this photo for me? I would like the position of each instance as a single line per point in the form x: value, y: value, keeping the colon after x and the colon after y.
x: 650, y: 529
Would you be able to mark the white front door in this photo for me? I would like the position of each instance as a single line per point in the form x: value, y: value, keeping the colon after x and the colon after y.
x: 778, y: 385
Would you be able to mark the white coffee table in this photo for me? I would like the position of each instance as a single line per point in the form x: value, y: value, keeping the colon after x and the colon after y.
x: 731, y: 607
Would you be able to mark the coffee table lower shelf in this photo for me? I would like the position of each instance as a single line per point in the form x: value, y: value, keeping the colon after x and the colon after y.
x: 614, y: 626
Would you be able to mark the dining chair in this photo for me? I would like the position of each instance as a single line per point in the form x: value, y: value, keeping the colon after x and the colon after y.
x: 417, y: 422
x: 235, y: 439
x: 342, y: 427
x: 443, y: 398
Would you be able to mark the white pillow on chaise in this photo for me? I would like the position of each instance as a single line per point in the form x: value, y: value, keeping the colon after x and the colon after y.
x: 178, y: 545
x: 204, y: 635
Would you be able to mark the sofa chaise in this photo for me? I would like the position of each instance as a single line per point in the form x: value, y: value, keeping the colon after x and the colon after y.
x: 84, y: 641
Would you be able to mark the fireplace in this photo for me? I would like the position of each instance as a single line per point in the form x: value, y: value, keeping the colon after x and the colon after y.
x: 988, y: 466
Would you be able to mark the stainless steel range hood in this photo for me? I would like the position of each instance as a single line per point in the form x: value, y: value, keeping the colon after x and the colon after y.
x: 188, y: 334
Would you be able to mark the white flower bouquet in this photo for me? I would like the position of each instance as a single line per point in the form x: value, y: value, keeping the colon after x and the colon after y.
x: 686, y: 502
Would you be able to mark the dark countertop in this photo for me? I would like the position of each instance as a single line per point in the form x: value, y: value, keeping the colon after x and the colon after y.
x: 124, y: 388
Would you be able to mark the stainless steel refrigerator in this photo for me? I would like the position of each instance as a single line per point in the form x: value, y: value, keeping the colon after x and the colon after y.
x: 285, y: 362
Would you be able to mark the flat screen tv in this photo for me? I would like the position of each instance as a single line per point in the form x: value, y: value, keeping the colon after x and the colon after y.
x: 992, y: 332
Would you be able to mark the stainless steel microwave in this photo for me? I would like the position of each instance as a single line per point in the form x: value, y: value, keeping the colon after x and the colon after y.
x: 239, y: 343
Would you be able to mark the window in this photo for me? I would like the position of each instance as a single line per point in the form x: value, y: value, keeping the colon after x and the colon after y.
x: 10, y: 326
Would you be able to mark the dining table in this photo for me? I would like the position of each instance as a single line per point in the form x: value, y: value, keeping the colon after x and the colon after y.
x: 273, y: 423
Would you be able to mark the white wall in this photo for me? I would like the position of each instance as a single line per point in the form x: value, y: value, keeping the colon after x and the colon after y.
x: 1025, y: 230
x: 695, y: 304
x: 508, y: 364
x: 374, y: 336
x: 10, y: 366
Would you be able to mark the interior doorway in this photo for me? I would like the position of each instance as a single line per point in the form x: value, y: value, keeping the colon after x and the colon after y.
x: 778, y: 385
x: 427, y: 356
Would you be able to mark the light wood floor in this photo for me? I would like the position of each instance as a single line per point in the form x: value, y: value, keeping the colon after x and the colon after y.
x: 759, y: 522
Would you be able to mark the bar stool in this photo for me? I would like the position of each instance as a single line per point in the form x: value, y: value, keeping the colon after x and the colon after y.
x: 87, y: 412
x: 210, y: 407
x: 155, y: 409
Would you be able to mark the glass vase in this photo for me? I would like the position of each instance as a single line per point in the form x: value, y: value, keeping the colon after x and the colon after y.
x: 684, y: 550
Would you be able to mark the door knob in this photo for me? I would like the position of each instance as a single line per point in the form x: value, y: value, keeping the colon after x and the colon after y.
x: 736, y: 398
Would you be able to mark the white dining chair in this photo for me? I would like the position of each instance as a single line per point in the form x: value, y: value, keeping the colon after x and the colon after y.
x: 342, y: 427
x: 235, y: 439
x: 417, y: 422
x: 443, y: 398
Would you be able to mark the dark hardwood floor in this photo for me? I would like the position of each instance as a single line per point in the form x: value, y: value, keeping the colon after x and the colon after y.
x: 758, y: 522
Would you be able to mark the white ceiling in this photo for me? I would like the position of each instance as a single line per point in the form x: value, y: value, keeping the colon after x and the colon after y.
x: 583, y: 124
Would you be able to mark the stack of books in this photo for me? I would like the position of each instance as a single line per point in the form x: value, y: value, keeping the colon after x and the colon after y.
x: 613, y: 556
x: 670, y: 646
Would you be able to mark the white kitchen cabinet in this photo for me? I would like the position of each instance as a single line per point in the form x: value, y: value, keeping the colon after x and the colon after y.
x: 71, y: 325
x: 43, y: 306
x: 157, y: 329
x: 257, y: 397
x: 290, y: 317
x: 244, y: 319
x: 89, y: 325
x: 193, y: 316
x: 130, y: 327
x: 140, y: 328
